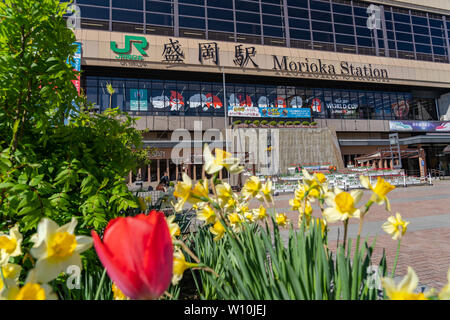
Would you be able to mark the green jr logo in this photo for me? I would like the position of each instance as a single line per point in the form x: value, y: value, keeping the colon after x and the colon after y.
x: 140, y: 43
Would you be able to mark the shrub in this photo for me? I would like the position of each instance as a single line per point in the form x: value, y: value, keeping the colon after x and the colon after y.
x: 264, y: 122
x: 237, y: 122
x: 280, y: 123
x: 297, y: 123
x: 256, y: 122
x: 289, y: 123
x: 314, y: 123
x: 305, y: 123
x: 273, y: 123
x: 248, y: 121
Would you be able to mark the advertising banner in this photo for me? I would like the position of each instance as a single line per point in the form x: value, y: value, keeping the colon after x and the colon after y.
x: 76, y: 65
x: 138, y: 99
x: 254, y: 112
x: 342, y: 106
x: 419, y: 126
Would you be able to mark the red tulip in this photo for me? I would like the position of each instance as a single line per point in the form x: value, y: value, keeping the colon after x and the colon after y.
x: 137, y: 253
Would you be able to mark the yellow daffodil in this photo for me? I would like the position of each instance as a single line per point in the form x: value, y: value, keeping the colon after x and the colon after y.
x: 174, y: 228
x: 11, y: 273
x: 201, y: 190
x: 249, y: 216
x: 118, y: 294
x: 57, y: 248
x: 342, y: 205
x: 251, y: 188
x: 235, y: 218
x: 305, y: 214
x: 226, y: 196
x: 405, y: 289
x: 321, y: 178
x: 260, y: 213
x: 32, y: 290
x: 381, y: 189
x: 179, y: 266
x: 182, y: 191
x: 10, y: 244
x: 295, y: 203
x: 266, y: 192
x: 322, y: 223
x: 218, y: 230
x: 445, y: 292
x: 207, y: 214
x: 281, y: 219
x: 222, y: 160
x: 395, y: 226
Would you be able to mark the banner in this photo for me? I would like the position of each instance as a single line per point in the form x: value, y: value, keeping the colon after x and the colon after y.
x: 419, y: 126
x: 342, y: 106
x: 254, y: 112
x: 76, y: 65
x: 138, y: 99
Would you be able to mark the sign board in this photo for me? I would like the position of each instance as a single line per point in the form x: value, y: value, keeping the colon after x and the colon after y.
x: 419, y: 126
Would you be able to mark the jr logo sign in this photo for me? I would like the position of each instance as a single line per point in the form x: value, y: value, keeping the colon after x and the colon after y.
x: 140, y: 43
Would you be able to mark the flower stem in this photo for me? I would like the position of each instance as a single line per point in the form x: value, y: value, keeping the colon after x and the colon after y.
x: 3, y: 278
x: 345, y: 232
x: 396, y: 258
x: 188, y: 251
x: 100, y: 285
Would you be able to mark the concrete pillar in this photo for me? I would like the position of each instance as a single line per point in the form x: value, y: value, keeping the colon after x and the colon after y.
x: 149, y: 173
x: 422, y: 162
x: 168, y: 168
x: 195, y: 171
x: 391, y: 164
x: 139, y: 174
x: 203, y: 173
x: 385, y: 163
x: 130, y: 177
x: 158, y: 171
x: 220, y: 175
x: 380, y: 163
x: 176, y: 172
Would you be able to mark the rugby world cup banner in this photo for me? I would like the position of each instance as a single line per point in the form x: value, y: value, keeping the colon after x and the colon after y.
x: 419, y: 126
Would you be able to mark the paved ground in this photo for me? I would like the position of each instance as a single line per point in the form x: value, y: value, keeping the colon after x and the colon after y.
x: 426, y: 245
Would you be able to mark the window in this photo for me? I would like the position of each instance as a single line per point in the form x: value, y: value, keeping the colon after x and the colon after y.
x: 270, y: 9
x: 220, y: 14
x: 159, y: 7
x: 159, y: 19
x: 191, y: 10
x: 247, y: 6
x: 323, y: 37
x: 297, y: 23
x: 248, y: 28
x: 339, y: 28
x: 300, y: 34
x: 321, y: 16
x: 94, y: 12
x: 298, y: 13
x: 247, y: 17
x: 273, y: 32
x: 345, y: 39
x: 192, y: 23
x: 130, y: 16
x: 322, y: 26
x: 298, y: 3
x: 220, y: 4
x: 220, y: 25
x: 126, y: 4
x: 339, y: 8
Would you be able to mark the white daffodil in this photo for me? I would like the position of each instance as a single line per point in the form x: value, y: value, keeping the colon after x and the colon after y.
x: 57, y: 248
x: 10, y: 273
x: 222, y: 160
x: 10, y: 245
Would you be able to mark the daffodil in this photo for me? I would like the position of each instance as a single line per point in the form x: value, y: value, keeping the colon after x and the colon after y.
x: 218, y: 230
x: 31, y: 290
x: 321, y: 178
x: 11, y: 273
x: 174, y: 228
x: 251, y: 188
x: 222, y: 160
x: 381, y: 189
x: 117, y: 293
x: 200, y: 190
x: 445, y: 292
x: 281, y: 219
x: 260, y: 213
x: 57, y: 248
x: 179, y: 266
x: 10, y: 244
x: 305, y: 214
x: 342, y: 205
x: 207, y: 214
x: 395, y: 226
x: 183, y: 191
x: 266, y: 192
x: 405, y: 289
x: 235, y: 220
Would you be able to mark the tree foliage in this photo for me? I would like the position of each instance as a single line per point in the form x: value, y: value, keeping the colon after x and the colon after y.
x: 57, y: 160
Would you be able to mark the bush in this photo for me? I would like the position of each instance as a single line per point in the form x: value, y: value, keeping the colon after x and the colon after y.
x: 297, y: 123
x: 248, y: 121
x: 280, y: 123
x: 305, y: 123
x: 289, y: 123
x: 237, y: 122
x: 314, y: 123
x: 273, y: 123
x: 256, y: 122
x: 264, y: 122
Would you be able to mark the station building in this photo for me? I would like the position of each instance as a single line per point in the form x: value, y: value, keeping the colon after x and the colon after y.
x: 364, y: 69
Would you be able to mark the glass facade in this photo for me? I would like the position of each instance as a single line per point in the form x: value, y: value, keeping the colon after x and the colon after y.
x: 336, y: 25
x: 196, y: 98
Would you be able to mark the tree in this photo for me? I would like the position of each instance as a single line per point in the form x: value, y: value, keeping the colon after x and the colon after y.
x: 49, y: 167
